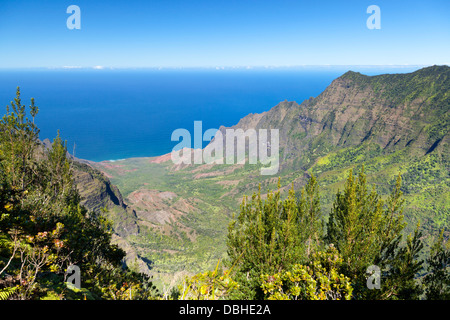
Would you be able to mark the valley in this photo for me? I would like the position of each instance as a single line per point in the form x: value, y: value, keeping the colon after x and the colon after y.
x: 389, y: 124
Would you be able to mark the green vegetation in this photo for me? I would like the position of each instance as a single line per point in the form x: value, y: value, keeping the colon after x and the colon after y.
x: 437, y: 279
x: 278, y: 250
x: 318, y: 280
x: 270, y: 236
x: 43, y: 227
x: 210, y: 285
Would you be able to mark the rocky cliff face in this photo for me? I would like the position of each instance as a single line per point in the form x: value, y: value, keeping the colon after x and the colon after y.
x: 98, y: 193
x: 391, y: 111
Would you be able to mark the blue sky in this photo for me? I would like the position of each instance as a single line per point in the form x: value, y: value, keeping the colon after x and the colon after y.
x: 197, y: 33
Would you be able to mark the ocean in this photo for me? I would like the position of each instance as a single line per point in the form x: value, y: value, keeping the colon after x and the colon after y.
x: 116, y: 114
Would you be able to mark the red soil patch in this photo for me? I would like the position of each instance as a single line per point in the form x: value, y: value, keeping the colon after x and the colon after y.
x: 161, y: 159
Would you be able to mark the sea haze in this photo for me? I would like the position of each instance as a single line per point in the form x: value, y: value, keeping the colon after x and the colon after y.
x: 116, y: 114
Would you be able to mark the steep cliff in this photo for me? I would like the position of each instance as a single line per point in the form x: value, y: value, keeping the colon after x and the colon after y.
x: 390, y: 111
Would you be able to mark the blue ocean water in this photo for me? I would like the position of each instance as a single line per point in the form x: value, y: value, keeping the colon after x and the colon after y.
x: 116, y: 114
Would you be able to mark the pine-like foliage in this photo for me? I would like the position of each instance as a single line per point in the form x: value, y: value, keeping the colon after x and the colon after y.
x: 271, y: 235
x: 361, y: 225
x: 437, y: 280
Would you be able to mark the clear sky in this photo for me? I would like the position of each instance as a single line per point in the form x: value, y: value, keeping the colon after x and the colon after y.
x: 197, y: 33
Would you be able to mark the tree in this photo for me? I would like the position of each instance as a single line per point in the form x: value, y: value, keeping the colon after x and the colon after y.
x: 60, y: 180
x: 271, y: 235
x: 437, y: 280
x: 367, y: 231
x: 18, y: 141
x: 400, y: 265
x: 310, y: 216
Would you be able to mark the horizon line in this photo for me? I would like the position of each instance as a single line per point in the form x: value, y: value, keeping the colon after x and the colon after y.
x: 99, y: 68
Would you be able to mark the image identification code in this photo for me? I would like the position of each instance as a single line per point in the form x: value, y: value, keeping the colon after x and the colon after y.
x: 234, y: 309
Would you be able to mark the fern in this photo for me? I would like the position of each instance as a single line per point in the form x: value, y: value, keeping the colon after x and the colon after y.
x: 5, y: 293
